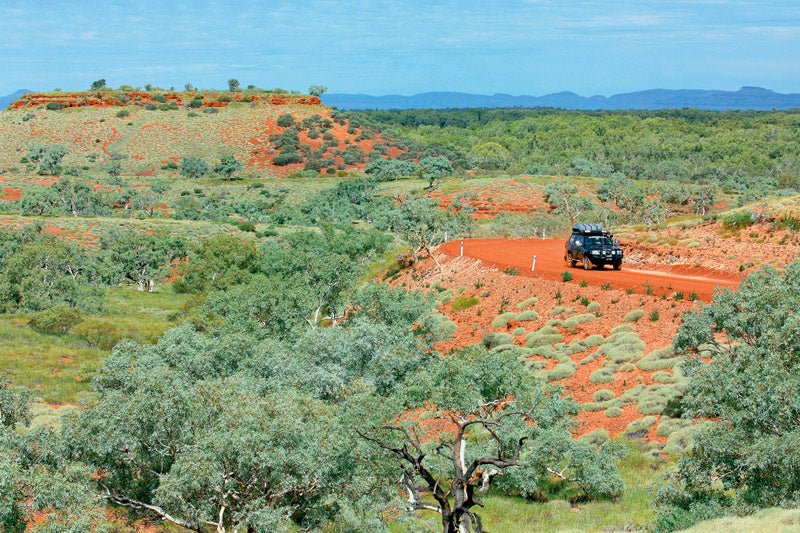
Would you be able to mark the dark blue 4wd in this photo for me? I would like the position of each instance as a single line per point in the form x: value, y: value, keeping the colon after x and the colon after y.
x: 592, y: 246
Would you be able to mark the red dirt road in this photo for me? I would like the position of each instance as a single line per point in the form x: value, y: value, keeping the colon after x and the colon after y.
x: 550, y: 264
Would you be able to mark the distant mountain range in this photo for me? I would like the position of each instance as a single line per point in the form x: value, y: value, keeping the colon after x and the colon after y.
x: 755, y: 98
x: 6, y: 101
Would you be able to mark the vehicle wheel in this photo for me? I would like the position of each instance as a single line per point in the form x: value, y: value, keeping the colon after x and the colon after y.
x: 617, y: 265
x: 570, y: 260
x: 587, y: 265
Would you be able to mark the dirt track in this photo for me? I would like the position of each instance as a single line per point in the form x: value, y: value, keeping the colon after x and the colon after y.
x: 550, y: 264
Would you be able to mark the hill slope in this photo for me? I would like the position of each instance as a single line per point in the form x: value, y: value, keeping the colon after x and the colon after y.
x: 754, y: 98
x: 144, y: 132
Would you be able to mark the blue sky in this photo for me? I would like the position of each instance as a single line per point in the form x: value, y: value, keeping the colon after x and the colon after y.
x: 383, y: 46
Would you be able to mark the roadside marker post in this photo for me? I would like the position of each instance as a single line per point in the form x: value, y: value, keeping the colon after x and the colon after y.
x: 533, y: 265
x: 462, y: 249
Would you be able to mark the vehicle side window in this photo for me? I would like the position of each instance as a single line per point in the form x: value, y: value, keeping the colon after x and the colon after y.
x: 578, y: 240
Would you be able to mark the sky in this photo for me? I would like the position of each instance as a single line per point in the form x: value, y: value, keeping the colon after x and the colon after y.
x: 377, y: 47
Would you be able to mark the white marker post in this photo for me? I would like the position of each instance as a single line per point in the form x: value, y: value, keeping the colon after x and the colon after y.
x: 462, y: 249
x: 533, y: 265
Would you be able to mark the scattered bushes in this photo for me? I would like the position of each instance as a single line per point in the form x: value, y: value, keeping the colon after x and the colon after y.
x: 56, y: 320
x: 603, y: 395
x: 502, y: 320
x: 528, y: 316
x: 560, y: 371
x: 193, y: 167
x: 601, y: 375
x: 659, y: 359
x: 737, y: 220
x: 542, y: 336
x: 634, y: 316
x: 530, y: 302
x: 493, y: 340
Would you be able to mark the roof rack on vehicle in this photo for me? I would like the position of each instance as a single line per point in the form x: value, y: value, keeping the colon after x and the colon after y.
x: 589, y: 229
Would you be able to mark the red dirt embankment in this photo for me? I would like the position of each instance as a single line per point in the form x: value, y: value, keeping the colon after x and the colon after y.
x: 550, y: 264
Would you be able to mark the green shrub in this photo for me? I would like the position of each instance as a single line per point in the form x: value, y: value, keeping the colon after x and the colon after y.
x: 99, y: 333
x: 737, y: 220
x: 287, y: 158
x: 603, y: 395
x: 627, y: 367
x: 566, y: 276
x: 528, y: 316
x: 593, y: 307
x: 561, y: 371
x: 519, y: 331
x: 530, y: 302
x: 542, y: 336
x: 667, y: 426
x: 55, y: 106
x: 620, y: 347
x: 503, y: 319
x: 463, y: 302
x: 654, y: 315
x: 193, y: 167
x: 598, y: 437
x: 663, y: 377
x: 634, y: 316
x: 123, y: 113
x: 593, y: 340
x: 641, y: 425
x: 601, y: 375
x: 493, y: 340
x: 659, y: 359
x: 613, y: 412
x: 56, y: 320
x: 286, y: 120
x: 680, y: 440
x: 575, y: 321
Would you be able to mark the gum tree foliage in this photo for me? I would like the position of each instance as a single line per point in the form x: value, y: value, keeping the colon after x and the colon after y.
x: 98, y: 84
x: 228, y: 166
x: 317, y: 90
x: 423, y: 224
x: 218, y: 262
x: 193, y: 167
x: 349, y: 200
x: 233, y: 85
x: 491, y: 418
x: 139, y: 258
x: 228, y: 431
x: 391, y: 169
x: 435, y: 168
x: 750, y: 391
x: 35, y: 477
x: 45, y: 272
x: 47, y: 158
x: 564, y: 199
x: 299, y: 282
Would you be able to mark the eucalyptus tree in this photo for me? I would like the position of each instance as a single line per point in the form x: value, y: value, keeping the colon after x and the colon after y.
x: 749, y: 394
x: 463, y: 421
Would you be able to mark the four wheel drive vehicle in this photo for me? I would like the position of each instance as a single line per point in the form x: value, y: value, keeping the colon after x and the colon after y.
x: 591, y: 245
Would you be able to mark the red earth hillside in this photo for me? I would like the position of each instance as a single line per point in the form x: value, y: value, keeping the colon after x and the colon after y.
x: 148, y: 133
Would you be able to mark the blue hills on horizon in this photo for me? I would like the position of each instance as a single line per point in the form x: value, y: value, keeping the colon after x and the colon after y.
x: 6, y: 101
x: 746, y: 98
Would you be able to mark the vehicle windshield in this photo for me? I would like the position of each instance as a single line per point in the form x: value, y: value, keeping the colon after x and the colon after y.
x: 598, y: 241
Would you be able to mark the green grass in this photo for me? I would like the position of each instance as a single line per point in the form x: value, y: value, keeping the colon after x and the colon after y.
x: 505, y: 514
x: 772, y: 520
x: 58, y: 368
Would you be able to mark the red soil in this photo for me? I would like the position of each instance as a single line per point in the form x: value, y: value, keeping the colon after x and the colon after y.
x: 11, y: 194
x: 103, y: 99
x: 511, y: 195
x: 550, y: 264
